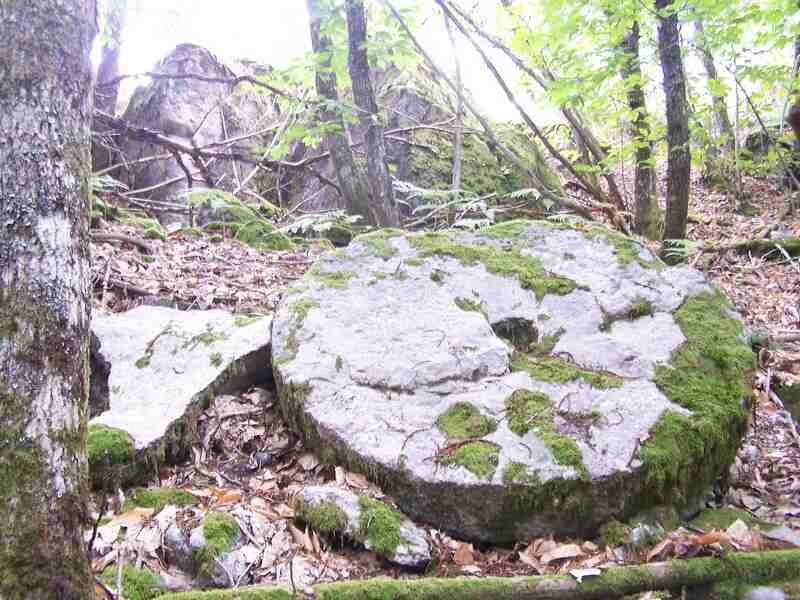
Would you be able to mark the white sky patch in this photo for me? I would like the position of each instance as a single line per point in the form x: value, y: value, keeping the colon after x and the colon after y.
x: 275, y: 32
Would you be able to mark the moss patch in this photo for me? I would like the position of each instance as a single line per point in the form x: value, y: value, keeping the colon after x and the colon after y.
x: 158, y: 498
x: 107, y: 446
x: 137, y: 584
x: 325, y: 517
x: 709, y: 375
x: 220, y: 531
x: 722, y: 518
x: 470, y: 305
x: 378, y: 242
x: 625, y: 248
x: 333, y: 279
x: 379, y: 525
x: 518, y: 473
x: 555, y: 370
x: 207, y: 338
x: 301, y: 308
x: 245, y: 320
x: 528, y: 411
x: 464, y: 420
x: 528, y: 270
x: 216, y: 359
x: 480, y: 458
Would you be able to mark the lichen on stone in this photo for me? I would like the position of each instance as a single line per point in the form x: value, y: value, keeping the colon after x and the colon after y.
x: 480, y: 458
x: 464, y: 420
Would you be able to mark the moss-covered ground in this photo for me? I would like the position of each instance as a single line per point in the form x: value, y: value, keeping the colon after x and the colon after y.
x: 158, y: 498
x: 137, y: 584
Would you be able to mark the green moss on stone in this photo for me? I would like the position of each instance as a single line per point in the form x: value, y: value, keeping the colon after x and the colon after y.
x: 158, y: 498
x: 626, y: 249
x: 555, y: 370
x: 470, y: 305
x: 722, y: 518
x: 378, y: 242
x: 437, y: 276
x: 334, y: 279
x: 106, y: 446
x: 245, y: 320
x: 220, y: 531
x: 528, y: 411
x: 207, y: 338
x: 709, y: 375
x: 464, y: 420
x: 137, y: 584
x: 216, y: 359
x: 301, y: 308
x: 480, y: 458
x: 325, y: 517
x: 615, y: 534
x: 379, y: 524
x: 142, y: 362
x: 527, y: 269
x: 518, y: 473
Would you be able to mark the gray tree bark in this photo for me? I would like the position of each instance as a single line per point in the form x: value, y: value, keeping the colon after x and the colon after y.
x: 458, y: 142
x: 45, y: 113
x: 352, y: 182
x: 105, y: 97
x: 382, y: 207
x: 645, y: 203
x: 679, y: 162
x: 720, y: 107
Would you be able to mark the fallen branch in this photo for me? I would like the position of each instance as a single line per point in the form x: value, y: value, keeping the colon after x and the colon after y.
x: 790, y: 244
x: 118, y: 237
x: 752, y: 568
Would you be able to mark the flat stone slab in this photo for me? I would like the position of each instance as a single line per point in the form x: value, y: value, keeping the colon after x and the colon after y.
x: 533, y: 378
x: 166, y: 365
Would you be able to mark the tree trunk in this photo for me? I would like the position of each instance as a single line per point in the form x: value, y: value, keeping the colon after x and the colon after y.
x: 45, y: 113
x: 720, y: 107
x: 646, y: 209
x: 679, y: 161
x: 105, y: 97
x: 351, y: 180
x: 382, y: 206
x: 458, y: 143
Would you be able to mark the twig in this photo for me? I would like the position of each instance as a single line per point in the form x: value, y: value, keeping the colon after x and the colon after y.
x: 98, y: 236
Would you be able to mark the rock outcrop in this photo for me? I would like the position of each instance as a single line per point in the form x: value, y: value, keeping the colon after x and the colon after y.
x: 164, y: 366
x: 534, y: 378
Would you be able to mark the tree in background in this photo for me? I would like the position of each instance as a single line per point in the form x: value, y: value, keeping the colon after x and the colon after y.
x: 382, y: 208
x: 352, y: 183
x: 45, y: 114
x: 105, y: 97
x: 679, y: 158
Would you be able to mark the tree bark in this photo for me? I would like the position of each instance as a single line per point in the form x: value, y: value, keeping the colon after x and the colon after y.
x: 458, y: 126
x: 679, y: 162
x: 105, y: 97
x: 720, y: 107
x: 45, y: 116
x: 646, y: 208
x: 382, y: 206
x: 351, y: 180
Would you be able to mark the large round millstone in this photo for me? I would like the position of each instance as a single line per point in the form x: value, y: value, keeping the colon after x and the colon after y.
x: 528, y: 379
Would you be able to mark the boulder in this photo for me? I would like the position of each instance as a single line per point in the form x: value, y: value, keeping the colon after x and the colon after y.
x: 164, y: 366
x: 195, y: 113
x: 530, y: 379
x: 336, y: 511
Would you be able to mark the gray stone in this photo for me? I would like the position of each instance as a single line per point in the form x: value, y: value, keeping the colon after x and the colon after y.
x: 381, y: 339
x: 167, y: 365
x: 413, y: 551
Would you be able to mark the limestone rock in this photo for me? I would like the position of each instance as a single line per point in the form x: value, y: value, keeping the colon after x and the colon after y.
x: 165, y: 366
x: 389, y: 533
x: 529, y: 379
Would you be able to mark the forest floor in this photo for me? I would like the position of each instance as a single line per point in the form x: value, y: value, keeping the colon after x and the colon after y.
x: 194, y: 272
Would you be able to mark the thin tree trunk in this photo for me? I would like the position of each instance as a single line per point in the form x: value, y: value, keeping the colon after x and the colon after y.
x: 351, y: 181
x: 458, y: 143
x: 382, y: 205
x: 583, y: 134
x: 45, y: 116
x: 720, y: 107
x: 679, y: 161
x: 645, y: 205
x: 105, y: 98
